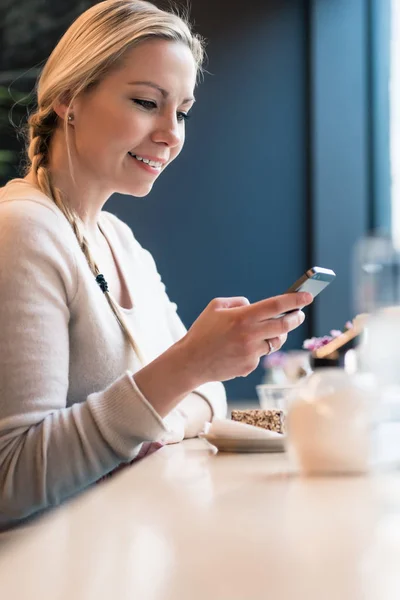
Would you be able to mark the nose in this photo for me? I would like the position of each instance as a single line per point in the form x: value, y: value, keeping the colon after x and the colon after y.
x: 168, y: 132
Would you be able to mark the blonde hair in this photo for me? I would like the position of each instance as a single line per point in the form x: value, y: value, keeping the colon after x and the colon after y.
x: 93, y: 45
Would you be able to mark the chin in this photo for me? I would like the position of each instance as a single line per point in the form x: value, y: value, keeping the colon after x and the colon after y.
x: 139, y: 191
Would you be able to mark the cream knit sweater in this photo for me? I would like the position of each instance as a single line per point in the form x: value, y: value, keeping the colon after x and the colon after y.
x: 70, y: 411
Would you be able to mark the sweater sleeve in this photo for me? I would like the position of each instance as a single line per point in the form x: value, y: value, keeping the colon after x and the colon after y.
x: 48, y: 451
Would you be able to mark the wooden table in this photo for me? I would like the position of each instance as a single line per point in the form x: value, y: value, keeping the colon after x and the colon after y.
x: 189, y: 524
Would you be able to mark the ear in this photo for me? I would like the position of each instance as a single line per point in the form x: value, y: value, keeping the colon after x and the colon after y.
x: 60, y: 110
x: 62, y: 107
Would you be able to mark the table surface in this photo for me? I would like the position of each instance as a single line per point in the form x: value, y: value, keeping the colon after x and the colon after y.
x: 188, y: 523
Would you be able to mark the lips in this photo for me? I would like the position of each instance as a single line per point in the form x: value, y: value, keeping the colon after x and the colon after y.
x: 154, y: 161
x: 149, y: 166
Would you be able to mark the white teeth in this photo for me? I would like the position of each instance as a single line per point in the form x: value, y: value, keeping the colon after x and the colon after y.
x: 152, y: 163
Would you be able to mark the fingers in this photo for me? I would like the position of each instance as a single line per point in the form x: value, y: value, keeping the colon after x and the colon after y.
x: 271, y: 307
x: 272, y: 328
x: 277, y: 343
x: 273, y: 344
x: 234, y: 302
x: 268, y: 346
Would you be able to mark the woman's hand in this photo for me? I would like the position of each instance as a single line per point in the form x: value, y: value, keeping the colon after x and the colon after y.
x: 229, y: 337
x: 226, y: 341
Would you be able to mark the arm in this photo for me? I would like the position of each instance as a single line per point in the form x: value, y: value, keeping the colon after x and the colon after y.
x: 49, y: 451
x: 199, y: 403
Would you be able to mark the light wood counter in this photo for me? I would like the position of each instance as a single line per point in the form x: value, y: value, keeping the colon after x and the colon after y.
x: 189, y: 524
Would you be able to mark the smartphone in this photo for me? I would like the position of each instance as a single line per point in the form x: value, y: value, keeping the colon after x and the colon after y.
x: 313, y: 281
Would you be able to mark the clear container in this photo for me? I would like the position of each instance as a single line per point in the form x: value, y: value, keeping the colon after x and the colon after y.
x: 376, y: 264
x: 339, y: 423
x: 274, y: 396
x: 386, y: 429
x: 329, y: 424
x: 376, y: 274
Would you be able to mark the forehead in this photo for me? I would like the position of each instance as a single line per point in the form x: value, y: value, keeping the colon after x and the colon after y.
x: 169, y: 64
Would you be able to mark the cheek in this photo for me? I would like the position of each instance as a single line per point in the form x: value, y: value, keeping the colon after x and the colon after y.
x: 106, y: 128
x: 116, y: 130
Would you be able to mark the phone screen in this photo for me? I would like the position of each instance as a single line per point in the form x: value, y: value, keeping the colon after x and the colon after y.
x: 313, y: 281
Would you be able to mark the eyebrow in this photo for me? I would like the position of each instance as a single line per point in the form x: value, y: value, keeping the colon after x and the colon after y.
x: 163, y: 92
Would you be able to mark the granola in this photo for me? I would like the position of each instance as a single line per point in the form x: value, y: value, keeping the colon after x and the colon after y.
x: 272, y: 419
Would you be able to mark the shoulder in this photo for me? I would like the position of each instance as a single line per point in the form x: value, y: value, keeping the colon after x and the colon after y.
x: 24, y: 207
x: 35, y: 236
x: 31, y: 222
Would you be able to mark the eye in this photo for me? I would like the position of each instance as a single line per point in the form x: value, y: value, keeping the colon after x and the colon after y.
x: 147, y: 104
x: 182, y: 116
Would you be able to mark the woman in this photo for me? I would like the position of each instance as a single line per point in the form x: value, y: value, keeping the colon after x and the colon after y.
x: 95, y: 360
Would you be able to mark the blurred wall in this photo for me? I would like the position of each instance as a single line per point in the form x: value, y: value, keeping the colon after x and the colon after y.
x: 341, y: 135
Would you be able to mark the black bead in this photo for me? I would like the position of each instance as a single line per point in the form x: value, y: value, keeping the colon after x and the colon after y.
x: 102, y: 282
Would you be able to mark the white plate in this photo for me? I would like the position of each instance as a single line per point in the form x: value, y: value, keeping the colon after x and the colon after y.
x: 233, y: 444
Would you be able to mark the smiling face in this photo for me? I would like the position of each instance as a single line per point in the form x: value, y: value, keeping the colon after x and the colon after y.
x: 137, y: 111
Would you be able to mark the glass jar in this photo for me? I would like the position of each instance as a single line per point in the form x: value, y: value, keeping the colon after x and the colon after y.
x: 377, y: 292
x: 329, y: 423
